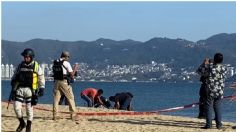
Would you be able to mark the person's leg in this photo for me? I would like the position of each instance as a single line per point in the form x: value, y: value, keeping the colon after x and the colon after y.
x: 67, y: 91
x: 126, y: 104
x: 70, y: 98
x: 202, y: 100
x: 66, y: 101
x: 29, y: 112
x: 217, y: 109
x: 19, y: 114
x: 56, y: 98
x: 29, y: 108
x: 18, y: 109
x: 62, y: 99
x: 88, y: 100
x: 209, y: 102
x: 201, y: 108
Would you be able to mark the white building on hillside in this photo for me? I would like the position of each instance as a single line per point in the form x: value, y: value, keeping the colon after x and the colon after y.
x: 11, y: 70
x: 7, y: 71
x: 3, y: 71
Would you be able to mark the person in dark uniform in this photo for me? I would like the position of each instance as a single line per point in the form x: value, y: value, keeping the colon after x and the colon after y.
x: 203, y: 71
x: 29, y: 81
x: 122, y: 101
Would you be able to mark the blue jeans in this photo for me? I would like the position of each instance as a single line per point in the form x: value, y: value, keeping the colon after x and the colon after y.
x: 88, y: 100
x: 214, y: 103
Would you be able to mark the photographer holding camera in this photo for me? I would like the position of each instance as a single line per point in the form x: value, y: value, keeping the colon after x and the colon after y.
x: 63, y: 75
x: 203, y: 71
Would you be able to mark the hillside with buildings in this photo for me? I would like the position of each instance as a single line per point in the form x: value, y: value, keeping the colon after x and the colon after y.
x: 158, y: 59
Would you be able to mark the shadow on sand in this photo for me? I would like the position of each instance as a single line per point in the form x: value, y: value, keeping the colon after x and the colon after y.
x: 184, y: 124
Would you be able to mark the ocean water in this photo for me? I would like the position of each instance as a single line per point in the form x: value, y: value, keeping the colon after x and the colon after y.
x: 148, y: 96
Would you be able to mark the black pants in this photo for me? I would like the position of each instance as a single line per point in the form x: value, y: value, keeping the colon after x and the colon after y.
x: 62, y: 99
x: 202, y: 100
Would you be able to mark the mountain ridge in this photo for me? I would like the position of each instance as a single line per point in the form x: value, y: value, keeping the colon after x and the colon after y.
x: 177, y: 52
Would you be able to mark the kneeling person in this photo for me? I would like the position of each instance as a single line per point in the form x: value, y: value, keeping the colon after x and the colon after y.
x: 122, y: 101
x: 90, y: 95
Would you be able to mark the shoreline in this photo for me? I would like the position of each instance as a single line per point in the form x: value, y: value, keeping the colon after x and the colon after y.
x: 106, y: 123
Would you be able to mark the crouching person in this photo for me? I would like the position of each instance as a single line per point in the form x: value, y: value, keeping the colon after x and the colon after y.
x: 105, y: 101
x: 28, y: 82
x: 122, y: 101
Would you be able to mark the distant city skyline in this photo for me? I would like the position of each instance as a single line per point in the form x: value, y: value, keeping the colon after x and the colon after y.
x: 140, y: 20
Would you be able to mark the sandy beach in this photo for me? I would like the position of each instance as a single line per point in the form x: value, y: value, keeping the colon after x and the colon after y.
x: 106, y: 123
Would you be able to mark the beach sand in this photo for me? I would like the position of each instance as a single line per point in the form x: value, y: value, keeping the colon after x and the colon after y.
x: 113, y: 123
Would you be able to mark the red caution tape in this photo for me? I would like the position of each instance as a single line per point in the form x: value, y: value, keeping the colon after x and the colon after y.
x: 129, y: 112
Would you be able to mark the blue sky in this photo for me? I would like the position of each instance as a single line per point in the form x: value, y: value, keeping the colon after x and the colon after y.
x: 141, y: 21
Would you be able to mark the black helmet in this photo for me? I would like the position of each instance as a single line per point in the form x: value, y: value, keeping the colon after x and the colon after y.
x: 28, y: 52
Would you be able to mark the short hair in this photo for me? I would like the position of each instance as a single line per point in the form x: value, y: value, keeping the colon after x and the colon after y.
x: 65, y: 54
x: 100, y: 91
x: 218, y: 58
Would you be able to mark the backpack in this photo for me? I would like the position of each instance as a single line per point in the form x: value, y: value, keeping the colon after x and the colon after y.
x: 58, y: 69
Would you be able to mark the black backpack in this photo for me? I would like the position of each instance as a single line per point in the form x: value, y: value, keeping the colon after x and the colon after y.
x: 58, y: 70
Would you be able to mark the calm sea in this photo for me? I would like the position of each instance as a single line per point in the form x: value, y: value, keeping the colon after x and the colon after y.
x: 149, y: 96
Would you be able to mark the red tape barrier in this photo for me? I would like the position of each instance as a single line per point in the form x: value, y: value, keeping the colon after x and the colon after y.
x: 131, y: 112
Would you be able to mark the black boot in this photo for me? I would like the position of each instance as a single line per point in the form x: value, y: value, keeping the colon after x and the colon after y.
x: 21, y: 125
x: 28, y: 127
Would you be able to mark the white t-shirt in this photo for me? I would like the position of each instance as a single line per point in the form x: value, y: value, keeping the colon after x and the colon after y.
x: 68, y: 67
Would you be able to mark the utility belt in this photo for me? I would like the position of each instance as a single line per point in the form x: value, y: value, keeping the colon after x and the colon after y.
x: 24, y: 86
x: 64, y: 77
x: 68, y: 79
x: 34, y: 97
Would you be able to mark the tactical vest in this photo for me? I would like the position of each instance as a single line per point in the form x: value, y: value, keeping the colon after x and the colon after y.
x: 27, y: 76
x: 58, y: 69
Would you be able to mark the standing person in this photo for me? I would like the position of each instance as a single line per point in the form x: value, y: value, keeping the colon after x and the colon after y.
x: 63, y: 74
x: 203, y: 71
x: 91, y: 94
x: 122, y: 101
x: 29, y: 81
x: 215, y: 87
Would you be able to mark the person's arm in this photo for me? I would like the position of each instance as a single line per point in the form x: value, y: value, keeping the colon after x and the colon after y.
x: 41, y: 78
x: 100, y: 101
x: 75, y: 69
x: 41, y: 81
x: 117, y: 105
x: 203, y: 69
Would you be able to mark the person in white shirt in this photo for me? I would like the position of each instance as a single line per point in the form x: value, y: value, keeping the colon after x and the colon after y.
x: 63, y: 74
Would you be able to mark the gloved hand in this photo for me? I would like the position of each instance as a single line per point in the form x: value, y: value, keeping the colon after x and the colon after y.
x: 41, y: 92
x: 34, y: 100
